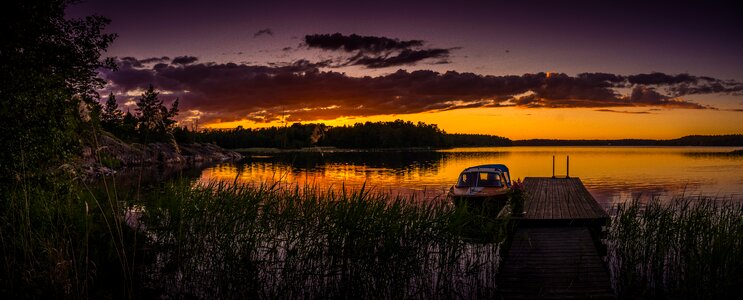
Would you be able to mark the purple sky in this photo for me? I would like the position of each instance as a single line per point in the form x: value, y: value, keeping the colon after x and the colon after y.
x: 259, y: 62
x: 495, y: 37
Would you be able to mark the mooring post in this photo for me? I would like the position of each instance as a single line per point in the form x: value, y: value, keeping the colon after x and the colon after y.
x: 567, y: 172
x: 553, y: 166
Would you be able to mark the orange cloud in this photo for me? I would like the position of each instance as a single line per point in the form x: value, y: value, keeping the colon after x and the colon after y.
x: 301, y: 92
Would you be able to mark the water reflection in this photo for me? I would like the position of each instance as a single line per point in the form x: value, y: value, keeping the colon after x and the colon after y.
x: 612, y: 174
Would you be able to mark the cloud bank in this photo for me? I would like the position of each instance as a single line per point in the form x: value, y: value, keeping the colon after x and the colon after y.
x: 300, y: 91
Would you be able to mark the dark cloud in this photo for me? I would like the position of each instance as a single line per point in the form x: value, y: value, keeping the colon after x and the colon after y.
x: 139, y: 63
x: 266, y: 31
x: 154, y: 60
x: 184, y: 60
x: 300, y: 91
x: 649, y: 96
x: 661, y: 79
x: 599, y: 78
x: 376, y: 52
x: 685, y: 84
x: 353, y: 43
x: 676, y: 85
x: 405, y: 57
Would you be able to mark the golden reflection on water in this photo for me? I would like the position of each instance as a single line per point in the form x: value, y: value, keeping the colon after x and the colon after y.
x: 611, y: 174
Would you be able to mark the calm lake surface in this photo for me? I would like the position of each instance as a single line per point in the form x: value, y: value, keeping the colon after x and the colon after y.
x: 611, y: 174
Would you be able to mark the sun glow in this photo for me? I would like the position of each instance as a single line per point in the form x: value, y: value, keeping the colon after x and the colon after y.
x: 574, y: 123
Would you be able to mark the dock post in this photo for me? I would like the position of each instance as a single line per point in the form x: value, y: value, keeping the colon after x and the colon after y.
x: 553, y: 166
x: 567, y: 172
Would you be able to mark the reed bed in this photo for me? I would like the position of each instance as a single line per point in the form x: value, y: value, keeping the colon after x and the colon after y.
x: 242, y: 241
x: 58, y: 240
x: 685, y: 248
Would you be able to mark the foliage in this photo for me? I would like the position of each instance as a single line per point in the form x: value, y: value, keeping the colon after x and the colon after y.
x: 128, y: 129
x: 155, y: 121
x: 516, y: 197
x: 52, y: 244
x: 111, y: 117
x: 395, y: 134
x: 48, y: 65
x: 385, y: 135
x: 687, y: 248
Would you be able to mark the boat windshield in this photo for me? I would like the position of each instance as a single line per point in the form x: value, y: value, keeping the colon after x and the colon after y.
x: 480, y: 179
x: 489, y: 180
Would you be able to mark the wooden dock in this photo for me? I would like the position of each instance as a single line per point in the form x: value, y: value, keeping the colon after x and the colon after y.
x: 556, y: 252
x: 560, y: 201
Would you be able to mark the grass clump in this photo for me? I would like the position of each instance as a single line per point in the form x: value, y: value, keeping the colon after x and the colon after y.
x: 685, y: 248
x: 239, y: 241
x: 268, y: 242
x: 58, y: 240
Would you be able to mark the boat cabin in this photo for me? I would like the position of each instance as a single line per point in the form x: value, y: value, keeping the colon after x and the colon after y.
x: 484, y: 176
x: 483, y: 188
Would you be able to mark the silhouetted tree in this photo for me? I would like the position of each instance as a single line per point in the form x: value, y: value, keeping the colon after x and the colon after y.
x: 169, y: 115
x: 154, y: 119
x: 149, y: 111
x: 128, y: 127
x: 112, y: 116
x: 48, y: 66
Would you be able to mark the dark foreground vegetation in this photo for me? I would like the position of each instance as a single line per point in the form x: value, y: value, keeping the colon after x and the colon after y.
x: 265, y: 242
x: 688, y: 248
x: 222, y: 241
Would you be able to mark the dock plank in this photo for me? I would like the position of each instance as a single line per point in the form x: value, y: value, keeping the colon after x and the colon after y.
x: 560, y: 199
x: 552, y: 254
x: 571, y: 270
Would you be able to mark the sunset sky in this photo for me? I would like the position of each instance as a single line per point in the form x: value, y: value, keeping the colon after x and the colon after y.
x: 547, y: 69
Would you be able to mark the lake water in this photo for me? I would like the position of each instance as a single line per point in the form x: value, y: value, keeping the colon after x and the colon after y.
x: 611, y: 174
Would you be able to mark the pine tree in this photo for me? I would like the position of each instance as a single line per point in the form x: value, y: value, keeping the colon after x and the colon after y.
x: 155, y: 120
x: 128, y: 126
x: 169, y: 120
x: 112, y: 116
x: 149, y: 109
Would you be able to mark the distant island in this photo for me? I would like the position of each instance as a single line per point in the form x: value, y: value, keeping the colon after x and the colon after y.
x: 403, y: 134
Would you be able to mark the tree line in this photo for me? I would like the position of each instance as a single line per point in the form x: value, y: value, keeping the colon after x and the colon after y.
x: 403, y: 134
x: 394, y: 134
x: 151, y: 122
x: 690, y: 140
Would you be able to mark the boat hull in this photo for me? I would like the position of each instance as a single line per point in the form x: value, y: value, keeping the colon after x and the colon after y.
x: 486, y: 204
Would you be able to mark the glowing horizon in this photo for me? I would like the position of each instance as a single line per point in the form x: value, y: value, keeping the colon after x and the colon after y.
x: 519, y: 123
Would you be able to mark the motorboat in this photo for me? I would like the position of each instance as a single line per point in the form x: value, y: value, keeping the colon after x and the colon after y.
x: 483, y: 187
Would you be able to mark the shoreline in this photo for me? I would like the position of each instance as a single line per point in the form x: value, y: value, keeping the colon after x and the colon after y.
x: 111, y: 156
x: 328, y: 149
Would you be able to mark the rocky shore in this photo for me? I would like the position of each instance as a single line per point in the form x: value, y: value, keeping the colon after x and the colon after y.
x: 111, y: 155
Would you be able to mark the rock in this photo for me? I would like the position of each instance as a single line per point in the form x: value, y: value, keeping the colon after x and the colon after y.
x: 113, y: 154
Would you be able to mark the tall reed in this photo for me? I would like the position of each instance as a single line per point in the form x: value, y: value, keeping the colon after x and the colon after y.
x: 683, y: 248
x: 263, y: 241
x: 57, y: 239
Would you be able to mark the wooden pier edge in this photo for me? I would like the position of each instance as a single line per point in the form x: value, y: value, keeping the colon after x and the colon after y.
x: 555, y: 251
